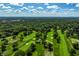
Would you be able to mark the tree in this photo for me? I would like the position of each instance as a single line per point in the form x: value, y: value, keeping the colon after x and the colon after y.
x: 20, y: 53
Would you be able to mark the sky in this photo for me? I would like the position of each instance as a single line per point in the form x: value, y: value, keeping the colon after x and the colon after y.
x: 39, y: 10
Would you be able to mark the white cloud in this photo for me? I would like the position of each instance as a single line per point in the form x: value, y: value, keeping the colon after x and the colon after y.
x: 17, y: 4
x: 37, y: 13
x: 54, y: 12
x: 46, y: 3
x: 30, y: 6
x: 3, y: 6
x: 40, y: 8
x: 71, y: 9
x: 77, y: 5
x: 24, y: 8
x: 6, y: 7
x: 34, y: 11
x: 53, y: 6
x: 17, y: 11
x: 67, y: 3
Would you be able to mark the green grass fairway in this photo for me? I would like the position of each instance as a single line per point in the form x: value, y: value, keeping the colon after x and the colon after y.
x: 63, y: 48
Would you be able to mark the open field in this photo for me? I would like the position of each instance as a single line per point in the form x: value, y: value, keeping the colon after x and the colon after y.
x: 39, y: 36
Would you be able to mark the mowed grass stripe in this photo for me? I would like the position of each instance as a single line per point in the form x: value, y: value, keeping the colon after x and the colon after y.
x: 69, y: 42
x: 49, y: 39
x: 27, y: 41
x: 63, y: 48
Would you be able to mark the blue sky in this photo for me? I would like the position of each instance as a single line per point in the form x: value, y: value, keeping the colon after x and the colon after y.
x: 39, y: 10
